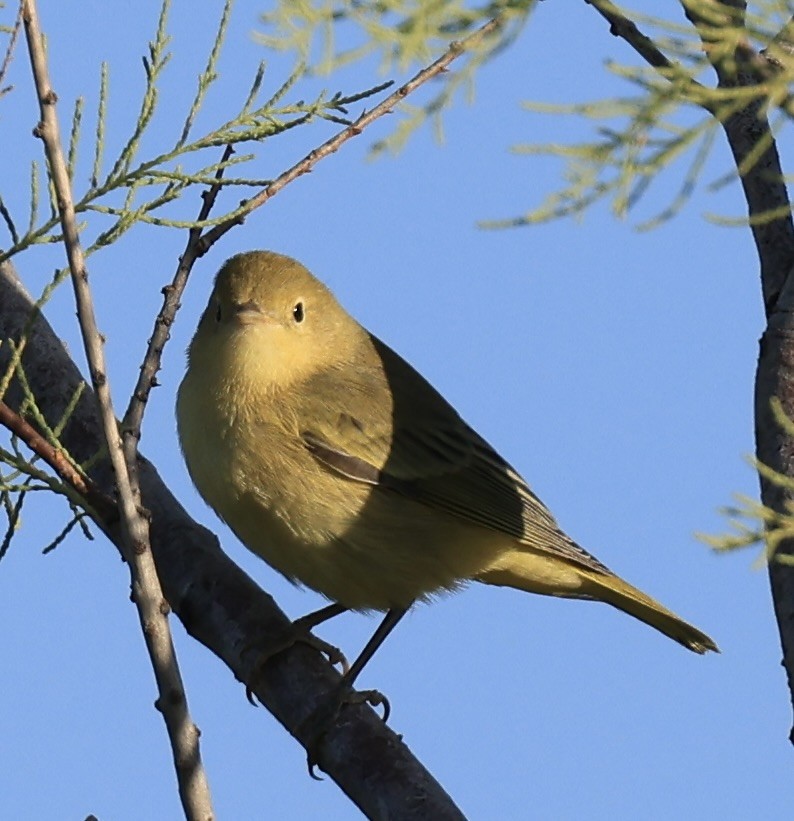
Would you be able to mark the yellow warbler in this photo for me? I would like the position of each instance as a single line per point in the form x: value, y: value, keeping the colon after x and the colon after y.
x: 344, y: 469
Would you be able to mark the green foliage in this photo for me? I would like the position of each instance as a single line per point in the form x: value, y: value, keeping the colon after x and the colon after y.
x: 20, y: 473
x: 131, y: 189
x: 672, y: 119
x: 400, y: 34
x: 403, y: 33
x: 667, y: 123
x: 676, y: 112
x: 753, y: 523
x: 148, y: 185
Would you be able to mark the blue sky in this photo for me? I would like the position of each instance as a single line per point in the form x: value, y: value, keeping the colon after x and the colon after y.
x: 613, y: 368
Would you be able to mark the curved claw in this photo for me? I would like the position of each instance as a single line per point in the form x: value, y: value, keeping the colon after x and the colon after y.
x: 270, y: 648
x: 333, y: 654
x: 372, y: 697
x: 311, y: 764
x: 317, y: 725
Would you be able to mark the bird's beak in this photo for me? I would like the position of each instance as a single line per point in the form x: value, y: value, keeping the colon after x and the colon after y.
x: 249, y: 313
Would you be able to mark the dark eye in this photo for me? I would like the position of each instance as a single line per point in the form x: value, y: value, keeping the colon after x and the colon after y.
x: 297, y: 312
x: 218, y: 313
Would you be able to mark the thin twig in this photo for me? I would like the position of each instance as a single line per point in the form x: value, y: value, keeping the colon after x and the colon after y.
x: 147, y: 594
x: 104, y: 506
x: 172, y: 293
x: 13, y: 520
x: 11, y: 46
x: 621, y: 26
x: 5, y: 214
x: 367, y: 118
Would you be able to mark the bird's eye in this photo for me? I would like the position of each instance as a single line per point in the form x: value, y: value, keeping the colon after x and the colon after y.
x: 298, y: 312
x: 218, y: 314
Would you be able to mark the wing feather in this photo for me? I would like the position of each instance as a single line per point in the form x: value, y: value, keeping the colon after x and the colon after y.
x: 412, y: 442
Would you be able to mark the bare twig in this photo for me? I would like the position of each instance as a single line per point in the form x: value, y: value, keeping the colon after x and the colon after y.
x: 147, y: 595
x: 367, y: 118
x: 172, y: 293
x: 621, y: 26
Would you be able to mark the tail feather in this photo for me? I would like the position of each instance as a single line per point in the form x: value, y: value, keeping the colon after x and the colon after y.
x: 619, y: 593
x: 540, y: 573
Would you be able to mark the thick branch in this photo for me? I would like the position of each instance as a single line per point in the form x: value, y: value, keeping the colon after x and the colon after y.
x: 766, y: 194
x: 765, y: 191
x: 758, y: 163
x: 219, y: 605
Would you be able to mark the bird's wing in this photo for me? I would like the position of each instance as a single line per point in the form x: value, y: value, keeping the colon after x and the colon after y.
x: 412, y: 442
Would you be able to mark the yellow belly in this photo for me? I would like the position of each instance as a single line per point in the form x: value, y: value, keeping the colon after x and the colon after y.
x: 367, y: 549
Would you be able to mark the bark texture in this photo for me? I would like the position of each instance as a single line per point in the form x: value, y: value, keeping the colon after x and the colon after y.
x: 765, y: 193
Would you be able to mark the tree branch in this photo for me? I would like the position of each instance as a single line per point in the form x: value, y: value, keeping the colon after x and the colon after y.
x: 765, y: 191
x: 621, y: 26
x: 219, y: 605
x: 131, y: 425
x: 104, y: 507
x: 146, y: 591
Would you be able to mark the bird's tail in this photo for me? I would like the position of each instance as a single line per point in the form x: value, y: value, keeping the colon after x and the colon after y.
x: 619, y: 593
x: 520, y: 569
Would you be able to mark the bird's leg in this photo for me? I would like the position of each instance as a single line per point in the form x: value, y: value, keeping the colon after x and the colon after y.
x: 299, y: 631
x: 311, y: 620
x: 324, y: 717
x: 390, y: 621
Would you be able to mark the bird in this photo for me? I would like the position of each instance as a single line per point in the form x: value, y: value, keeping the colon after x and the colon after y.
x: 335, y: 461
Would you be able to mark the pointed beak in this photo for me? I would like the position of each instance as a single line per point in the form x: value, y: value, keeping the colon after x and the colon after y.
x: 248, y: 313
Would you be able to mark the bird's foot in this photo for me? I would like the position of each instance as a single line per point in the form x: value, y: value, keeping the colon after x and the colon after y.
x: 372, y: 697
x: 316, y: 727
x: 297, y: 632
